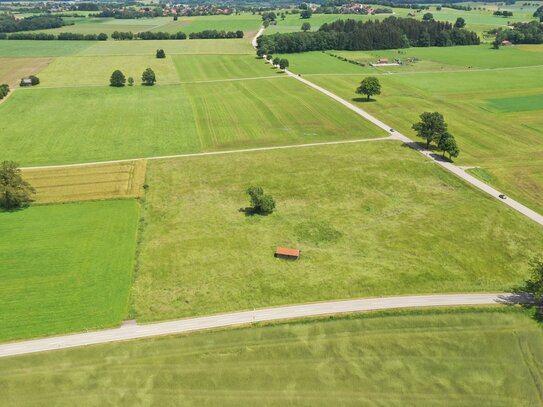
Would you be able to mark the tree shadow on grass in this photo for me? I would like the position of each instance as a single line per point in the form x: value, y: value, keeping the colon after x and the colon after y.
x: 364, y: 100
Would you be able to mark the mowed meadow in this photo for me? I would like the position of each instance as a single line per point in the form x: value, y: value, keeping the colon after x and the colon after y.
x: 371, y: 219
x: 469, y: 357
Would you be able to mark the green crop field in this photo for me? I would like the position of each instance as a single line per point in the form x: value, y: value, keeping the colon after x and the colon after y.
x: 517, y: 104
x: 218, y: 67
x: 468, y: 357
x: 24, y: 48
x: 87, y: 124
x: 65, y: 267
x: 148, y: 47
x: 371, y: 219
x: 81, y: 71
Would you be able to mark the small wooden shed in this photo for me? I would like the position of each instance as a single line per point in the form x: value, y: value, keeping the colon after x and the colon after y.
x: 289, y: 254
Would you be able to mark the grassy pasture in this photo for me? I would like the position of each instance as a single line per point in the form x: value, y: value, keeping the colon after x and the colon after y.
x: 368, y: 218
x: 82, y: 71
x: 247, y: 23
x: 218, y: 67
x: 13, y: 69
x: 65, y: 267
x: 517, y: 104
x: 25, y: 48
x: 105, y: 181
x: 149, y: 47
x: 103, y: 123
x: 439, y: 357
x: 269, y: 112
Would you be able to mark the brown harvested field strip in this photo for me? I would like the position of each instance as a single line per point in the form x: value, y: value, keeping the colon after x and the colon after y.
x: 106, y: 181
x: 13, y: 69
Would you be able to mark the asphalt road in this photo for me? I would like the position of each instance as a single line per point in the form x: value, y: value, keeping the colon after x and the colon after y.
x: 134, y: 331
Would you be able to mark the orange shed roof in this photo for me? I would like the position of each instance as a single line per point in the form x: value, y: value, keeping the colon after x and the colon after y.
x: 287, y: 252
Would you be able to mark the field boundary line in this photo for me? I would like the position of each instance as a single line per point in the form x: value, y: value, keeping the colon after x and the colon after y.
x: 132, y: 330
x: 247, y: 150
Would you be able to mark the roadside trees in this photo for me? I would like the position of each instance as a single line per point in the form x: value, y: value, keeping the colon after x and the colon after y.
x: 306, y: 27
x: 148, y: 77
x: 276, y: 61
x: 261, y: 203
x: 160, y: 53
x: 369, y: 86
x: 431, y: 127
x: 283, y: 64
x: 15, y: 192
x: 117, y: 79
x: 447, y: 144
x: 534, y: 285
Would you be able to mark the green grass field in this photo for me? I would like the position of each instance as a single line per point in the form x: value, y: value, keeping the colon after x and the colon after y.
x: 24, y: 48
x: 247, y: 23
x: 493, y: 112
x: 371, y: 219
x: 466, y: 357
x: 65, y: 267
x: 103, y: 123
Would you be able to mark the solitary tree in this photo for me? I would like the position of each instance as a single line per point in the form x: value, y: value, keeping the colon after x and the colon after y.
x: 431, y: 127
x: 428, y: 17
x: 15, y: 192
x: 148, y: 77
x: 369, y: 86
x: 261, y: 203
x: 306, y: 27
x: 534, y: 285
x: 306, y: 14
x: 117, y: 79
x: 447, y: 144
x: 130, y: 81
x: 160, y: 53
x: 460, y: 23
x: 283, y: 64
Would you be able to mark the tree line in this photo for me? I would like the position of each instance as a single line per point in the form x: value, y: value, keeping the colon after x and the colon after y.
x: 352, y: 35
x: 212, y: 34
x: 9, y: 23
x: 52, y: 37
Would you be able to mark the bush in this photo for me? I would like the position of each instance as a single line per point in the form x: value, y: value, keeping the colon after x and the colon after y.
x: 4, y: 90
x: 261, y: 203
x: 35, y: 80
x: 160, y: 53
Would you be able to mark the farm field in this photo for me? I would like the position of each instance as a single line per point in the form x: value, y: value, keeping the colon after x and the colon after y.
x: 89, y: 182
x: 13, y: 69
x: 87, y: 124
x: 496, y: 122
x: 24, y: 48
x: 65, y: 267
x: 448, y: 356
x: 367, y: 217
x: 247, y: 23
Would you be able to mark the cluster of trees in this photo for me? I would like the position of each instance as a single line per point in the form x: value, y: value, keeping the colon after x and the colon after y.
x: 15, y: 192
x: 4, y: 90
x: 34, y: 80
x: 118, y: 80
x: 128, y: 14
x: 282, y: 63
x: 262, y: 204
x: 9, y: 23
x: 212, y: 34
x: 432, y: 128
x: 523, y: 33
x: 457, y: 6
x: 503, y: 13
x: 122, y: 35
x: 147, y: 35
x: 539, y: 13
x: 354, y: 35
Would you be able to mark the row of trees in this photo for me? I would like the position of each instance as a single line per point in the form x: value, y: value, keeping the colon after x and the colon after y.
x: 118, y: 80
x: 282, y: 63
x: 52, y: 37
x: 212, y: 34
x: 9, y: 23
x: 354, y: 35
x: 504, y: 13
x: 147, y: 35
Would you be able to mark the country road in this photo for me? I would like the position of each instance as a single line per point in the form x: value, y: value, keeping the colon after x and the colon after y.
x: 133, y: 331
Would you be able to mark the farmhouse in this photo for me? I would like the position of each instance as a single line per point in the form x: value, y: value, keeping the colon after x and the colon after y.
x: 26, y: 82
x: 289, y: 254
